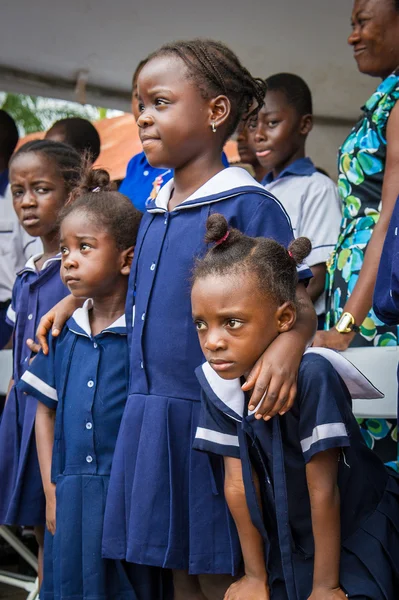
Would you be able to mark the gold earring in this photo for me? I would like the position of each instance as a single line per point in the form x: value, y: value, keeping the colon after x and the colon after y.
x: 213, y: 127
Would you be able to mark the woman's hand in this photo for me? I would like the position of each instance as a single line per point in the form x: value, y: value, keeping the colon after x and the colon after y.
x: 327, y: 594
x: 333, y: 339
x: 50, y: 509
x: 55, y: 319
x: 248, y: 588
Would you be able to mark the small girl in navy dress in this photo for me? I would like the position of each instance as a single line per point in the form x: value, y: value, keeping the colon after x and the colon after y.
x: 165, y: 505
x: 81, y: 388
x: 42, y: 174
x: 316, y: 511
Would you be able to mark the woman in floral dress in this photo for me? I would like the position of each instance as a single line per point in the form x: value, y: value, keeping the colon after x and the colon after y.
x: 368, y: 184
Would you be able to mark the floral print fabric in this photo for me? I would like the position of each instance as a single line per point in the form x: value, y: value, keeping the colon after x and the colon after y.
x: 361, y: 165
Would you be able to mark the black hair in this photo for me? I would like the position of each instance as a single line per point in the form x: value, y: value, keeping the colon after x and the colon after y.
x: 8, y: 135
x: 96, y: 198
x: 295, y: 90
x: 80, y: 134
x: 215, y: 69
x: 66, y: 159
x: 137, y: 71
x: 273, y: 265
x: 396, y: 2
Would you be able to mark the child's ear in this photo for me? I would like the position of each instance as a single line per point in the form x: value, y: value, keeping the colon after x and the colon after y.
x: 286, y: 317
x: 306, y: 124
x: 219, y: 112
x: 127, y: 259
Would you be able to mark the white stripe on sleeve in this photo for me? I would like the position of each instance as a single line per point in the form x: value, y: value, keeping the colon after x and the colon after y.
x: 223, y: 439
x: 40, y: 385
x: 324, y: 432
x: 11, y: 314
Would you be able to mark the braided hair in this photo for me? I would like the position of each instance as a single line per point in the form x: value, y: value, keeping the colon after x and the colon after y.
x: 235, y: 253
x: 95, y: 198
x: 215, y: 69
x: 67, y: 160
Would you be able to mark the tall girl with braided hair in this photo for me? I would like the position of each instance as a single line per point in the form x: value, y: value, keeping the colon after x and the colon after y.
x: 42, y: 174
x: 165, y: 505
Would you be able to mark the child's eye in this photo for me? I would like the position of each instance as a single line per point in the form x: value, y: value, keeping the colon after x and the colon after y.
x: 252, y: 123
x: 85, y: 246
x: 272, y: 124
x: 17, y: 193
x: 42, y: 190
x: 141, y: 106
x: 200, y: 325
x: 160, y: 102
x: 64, y: 250
x: 234, y: 324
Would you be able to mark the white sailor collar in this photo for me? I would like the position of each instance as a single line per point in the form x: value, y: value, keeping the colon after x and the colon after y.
x: 30, y: 264
x: 228, y: 396
x: 79, y: 323
x: 229, y: 182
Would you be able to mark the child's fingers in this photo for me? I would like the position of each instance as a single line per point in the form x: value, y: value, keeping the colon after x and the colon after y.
x: 252, y: 377
x: 274, y: 400
x: 43, y: 330
x: 291, y: 398
x: 260, y: 390
x: 33, y: 347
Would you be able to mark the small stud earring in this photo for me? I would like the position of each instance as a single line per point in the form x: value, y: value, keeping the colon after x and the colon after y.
x: 213, y: 127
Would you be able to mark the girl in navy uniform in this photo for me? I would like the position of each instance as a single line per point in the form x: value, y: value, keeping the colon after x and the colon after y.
x: 42, y: 174
x: 82, y: 388
x: 316, y: 511
x: 165, y: 505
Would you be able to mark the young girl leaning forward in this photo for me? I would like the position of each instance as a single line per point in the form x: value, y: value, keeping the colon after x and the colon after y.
x: 165, y: 505
x: 81, y: 388
x: 42, y: 174
x: 311, y: 525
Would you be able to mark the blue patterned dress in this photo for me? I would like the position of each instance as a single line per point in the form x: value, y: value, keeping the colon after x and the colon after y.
x: 361, y: 166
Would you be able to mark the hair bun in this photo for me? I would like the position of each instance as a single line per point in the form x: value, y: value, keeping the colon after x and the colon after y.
x: 95, y: 179
x: 299, y: 249
x: 216, y: 228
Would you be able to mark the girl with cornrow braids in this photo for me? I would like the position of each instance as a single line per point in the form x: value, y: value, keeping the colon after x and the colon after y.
x: 42, y: 174
x: 165, y: 505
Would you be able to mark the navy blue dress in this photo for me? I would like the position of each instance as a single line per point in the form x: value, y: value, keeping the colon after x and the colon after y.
x: 21, y: 490
x: 166, y: 505
x: 84, y: 379
x: 321, y: 419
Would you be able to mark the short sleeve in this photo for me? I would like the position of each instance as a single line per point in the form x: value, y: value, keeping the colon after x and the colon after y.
x: 216, y: 432
x: 321, y: 400
x: 320, y: 218
x: 39, y: 380
x: 386, y: 291
x: 11, y: 316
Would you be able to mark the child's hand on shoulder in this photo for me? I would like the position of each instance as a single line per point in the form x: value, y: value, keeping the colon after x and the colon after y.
x: 248, y: 588
x: 328, y: 594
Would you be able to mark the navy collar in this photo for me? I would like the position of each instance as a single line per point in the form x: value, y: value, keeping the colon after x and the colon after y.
x: 303, y: 167
x: 3, y: 182
x: 230, y: 182
x: 79, y: 323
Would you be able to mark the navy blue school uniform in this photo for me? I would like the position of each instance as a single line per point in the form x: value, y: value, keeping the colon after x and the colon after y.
x: 166, y: 505
x: 21, y: 491
x: 84, y: 379
x: 279, y: 450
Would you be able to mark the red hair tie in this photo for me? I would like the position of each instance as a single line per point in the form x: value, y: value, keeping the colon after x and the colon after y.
x: 223, y: 239
x: 290, y: 254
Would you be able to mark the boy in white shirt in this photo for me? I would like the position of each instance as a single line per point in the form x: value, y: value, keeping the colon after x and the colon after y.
x: 309, y: 197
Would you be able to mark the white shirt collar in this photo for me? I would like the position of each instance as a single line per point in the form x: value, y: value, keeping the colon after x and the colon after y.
x: 226, y: 180
x: 81, y: 318
x: 31, y: 262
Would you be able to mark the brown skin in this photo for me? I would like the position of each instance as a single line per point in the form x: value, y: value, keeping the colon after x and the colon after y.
x: 246, y: 150
x: 38, y: 193
x: 236, y: 321
x: 375, y: 39
x: 101, y: 271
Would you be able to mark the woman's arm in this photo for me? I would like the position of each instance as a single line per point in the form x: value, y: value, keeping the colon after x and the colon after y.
x: 316, y: 284
x: 44, y: 429
x: 321, y: 475
x: 55, y: 319
x: 274, y: 375
x: 253, y: 586
x: 361, y: 297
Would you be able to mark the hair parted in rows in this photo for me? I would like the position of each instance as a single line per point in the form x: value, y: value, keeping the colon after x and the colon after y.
x: 216, y: 70
x: 295, y: 89
x: 235, y: 253
x: 67, y: 160
x: 95, y: 198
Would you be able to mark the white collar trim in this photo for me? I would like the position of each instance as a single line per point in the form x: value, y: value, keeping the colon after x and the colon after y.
x: 226, y: 180
x: 227, y: 390
x: 31, y: 262
x: 81, y: 317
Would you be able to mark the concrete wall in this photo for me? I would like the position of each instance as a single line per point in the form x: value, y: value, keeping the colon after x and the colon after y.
x: 324, y: 141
